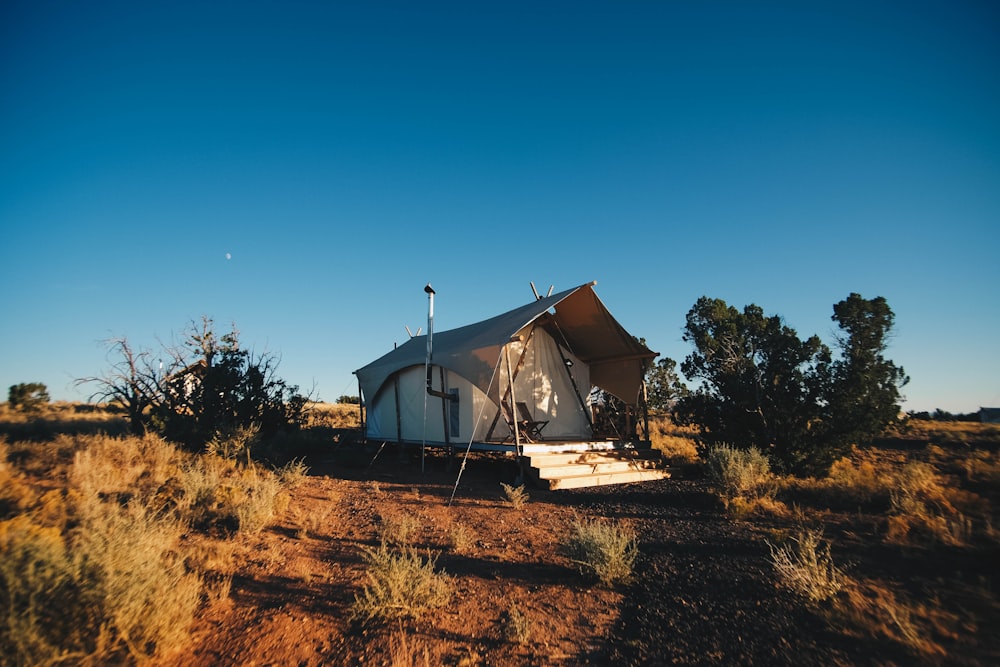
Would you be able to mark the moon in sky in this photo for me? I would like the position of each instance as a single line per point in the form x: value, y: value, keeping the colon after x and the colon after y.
x: 228, y: 256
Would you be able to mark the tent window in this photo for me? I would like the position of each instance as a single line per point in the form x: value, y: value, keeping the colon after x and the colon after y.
x: 453, y: 413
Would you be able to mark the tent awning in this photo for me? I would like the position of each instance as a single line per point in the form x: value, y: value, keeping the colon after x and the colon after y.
x: 576, y: 319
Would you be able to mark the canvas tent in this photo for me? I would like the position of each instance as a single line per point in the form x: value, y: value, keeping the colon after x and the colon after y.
x: 546, y: 354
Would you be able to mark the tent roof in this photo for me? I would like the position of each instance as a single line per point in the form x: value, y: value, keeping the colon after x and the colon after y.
x: 577, y: 320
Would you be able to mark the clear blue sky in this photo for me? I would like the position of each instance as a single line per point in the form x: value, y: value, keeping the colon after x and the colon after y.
x: 778, y: 153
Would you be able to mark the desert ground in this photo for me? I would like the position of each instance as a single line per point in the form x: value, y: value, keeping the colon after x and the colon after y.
x: 914, y: 587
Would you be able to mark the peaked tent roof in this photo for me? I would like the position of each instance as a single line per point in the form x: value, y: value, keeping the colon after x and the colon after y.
x: 580, y: 322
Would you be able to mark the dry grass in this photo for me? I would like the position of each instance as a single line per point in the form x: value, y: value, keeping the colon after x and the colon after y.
x: 333, y: 415
x: 406, y: 651
x: 115, y: 586
x: 96, y: 572
x: 604, y: 549
x: 805, y: 566
x: 401, y: 584
x: 677, y: 443
x: 399, y: 530
x: 874, y: 609
x: 52, y: 419
x: 925, y: 508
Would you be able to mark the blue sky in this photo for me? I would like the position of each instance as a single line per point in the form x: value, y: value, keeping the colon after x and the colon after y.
x: 343, y: 155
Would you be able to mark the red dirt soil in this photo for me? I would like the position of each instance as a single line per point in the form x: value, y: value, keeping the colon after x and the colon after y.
x: 704, y: 592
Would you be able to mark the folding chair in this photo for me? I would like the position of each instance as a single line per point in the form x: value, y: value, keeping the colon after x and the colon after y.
x: 531, y: 426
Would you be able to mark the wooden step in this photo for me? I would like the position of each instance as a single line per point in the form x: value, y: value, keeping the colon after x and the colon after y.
x: 583, y: 481
x: 583, y: 458
x: 595, y: 468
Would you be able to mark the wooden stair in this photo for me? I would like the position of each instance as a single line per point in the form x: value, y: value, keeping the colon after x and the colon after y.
x: 574, y: 470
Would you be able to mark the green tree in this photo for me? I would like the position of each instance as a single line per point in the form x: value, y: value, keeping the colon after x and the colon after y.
x: 663, y: 385
x: 864, y: 393
x: 27, y: 396
x: 760, y: 383
x: 762, y: 386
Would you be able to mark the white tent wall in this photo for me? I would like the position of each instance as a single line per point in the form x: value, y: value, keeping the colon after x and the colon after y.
x: 412, y: 390
x: 544, y: 384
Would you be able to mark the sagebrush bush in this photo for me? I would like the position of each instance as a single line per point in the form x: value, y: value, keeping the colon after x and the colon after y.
x: 739, y: 473
x: 460, y: 538
x: 400, y: 584
x: 606, y: 550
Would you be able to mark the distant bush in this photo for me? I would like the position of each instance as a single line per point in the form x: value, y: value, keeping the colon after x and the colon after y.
x: 605, y: 550
x: 28, y: 397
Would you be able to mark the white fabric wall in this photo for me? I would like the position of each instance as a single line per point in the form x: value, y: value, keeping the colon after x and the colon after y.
x: 542, y: 383
x: 412, y: 388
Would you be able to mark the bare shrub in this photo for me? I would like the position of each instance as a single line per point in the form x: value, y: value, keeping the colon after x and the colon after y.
x: 805, y: 566
x: 400, y: 584
x: 607, y: 550
x: 515, y: 495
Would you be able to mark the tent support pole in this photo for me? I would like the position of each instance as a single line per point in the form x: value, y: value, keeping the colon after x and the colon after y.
x: 510, y: 390
x: 576, y: 388
x: 361, y: 413
x: 645, y: 409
